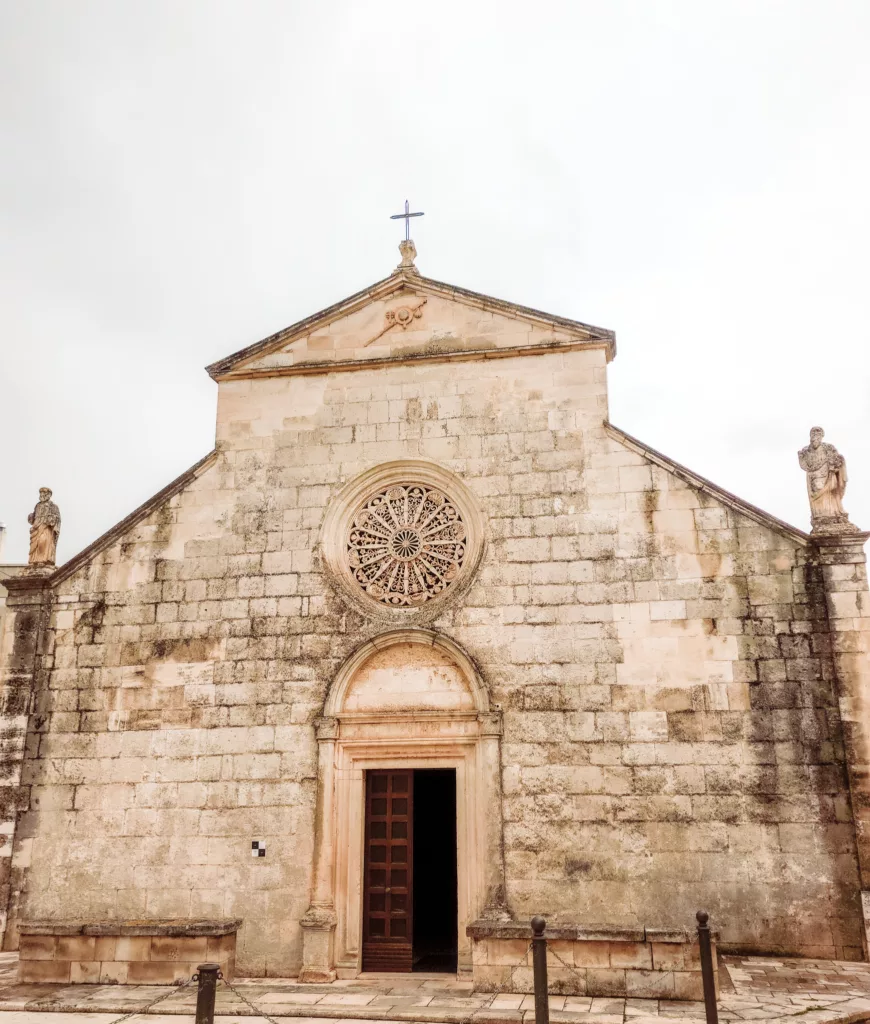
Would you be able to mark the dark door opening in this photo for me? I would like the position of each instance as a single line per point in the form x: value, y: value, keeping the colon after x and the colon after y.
x: 434, y: 895
x: 409, y: 874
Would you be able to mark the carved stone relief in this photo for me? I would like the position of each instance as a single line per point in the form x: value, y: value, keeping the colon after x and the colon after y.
x: 402, y: 539
x: 401, y: 316
x: 406, y: 544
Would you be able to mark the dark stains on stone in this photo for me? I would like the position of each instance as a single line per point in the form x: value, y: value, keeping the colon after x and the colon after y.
x: 575, y: 866
x: 651, y: 503
x: 184, y: 650
x: 14, y: 698
x: 92, y: 617
x: 31, y: 614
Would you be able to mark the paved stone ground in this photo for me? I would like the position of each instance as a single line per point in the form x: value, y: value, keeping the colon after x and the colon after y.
x: 753, y: 989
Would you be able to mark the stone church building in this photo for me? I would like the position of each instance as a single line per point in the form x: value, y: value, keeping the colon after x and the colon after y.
x: 426, y: 646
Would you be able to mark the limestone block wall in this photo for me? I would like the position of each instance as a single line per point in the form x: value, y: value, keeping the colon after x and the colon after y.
x: 682, y: 746
x: 671, y: 734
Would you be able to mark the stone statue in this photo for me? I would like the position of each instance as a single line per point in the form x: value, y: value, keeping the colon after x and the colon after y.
x: 825, y: 468
x: 44, y: 530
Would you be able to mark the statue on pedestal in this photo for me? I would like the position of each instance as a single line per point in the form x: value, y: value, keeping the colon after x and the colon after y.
x: 825, y: 468
x: 44, y: 530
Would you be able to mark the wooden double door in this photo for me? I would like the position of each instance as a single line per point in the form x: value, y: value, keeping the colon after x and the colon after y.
x: 392, y: 939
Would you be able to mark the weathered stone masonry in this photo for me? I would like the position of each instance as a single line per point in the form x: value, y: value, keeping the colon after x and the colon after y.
x: 673, y: 668
x: 24, y: 640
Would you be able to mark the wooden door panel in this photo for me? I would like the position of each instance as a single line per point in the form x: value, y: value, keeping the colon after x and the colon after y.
x: 387, y: 871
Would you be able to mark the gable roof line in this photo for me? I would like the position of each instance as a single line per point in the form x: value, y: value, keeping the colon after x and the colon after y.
x: 529, y: 312
x: 395, y: 282
x: 701, y: 483
x: 333, y: 312
x: 115, y: 532
x: 688, y: 476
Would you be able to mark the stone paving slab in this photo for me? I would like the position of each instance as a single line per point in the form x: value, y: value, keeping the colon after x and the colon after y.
x: 778, y: 991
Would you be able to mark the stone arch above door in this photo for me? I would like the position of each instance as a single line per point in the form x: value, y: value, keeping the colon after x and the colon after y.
x: 408, y: 698
x: 407, y: 670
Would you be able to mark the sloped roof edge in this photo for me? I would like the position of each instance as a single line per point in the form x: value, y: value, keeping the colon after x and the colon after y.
x: 396, y: 282
x: 63, y: 572
x: 701, y: 483
x: 66, y: 570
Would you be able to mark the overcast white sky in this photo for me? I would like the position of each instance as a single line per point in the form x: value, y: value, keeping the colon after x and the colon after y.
x: 178, y: 180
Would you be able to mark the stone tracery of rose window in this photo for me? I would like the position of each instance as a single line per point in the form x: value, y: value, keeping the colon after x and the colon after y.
x: 406, y: 544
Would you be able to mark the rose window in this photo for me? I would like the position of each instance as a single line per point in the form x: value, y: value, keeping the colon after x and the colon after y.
x: 406, y: 544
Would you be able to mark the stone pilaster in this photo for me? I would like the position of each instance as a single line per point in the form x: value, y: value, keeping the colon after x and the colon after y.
x: 495, y: 907
x: 844, y: 571
x: 318, y: 924
x: 28, y: 607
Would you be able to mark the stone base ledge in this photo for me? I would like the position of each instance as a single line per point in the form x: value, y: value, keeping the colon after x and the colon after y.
x: 641, y: 963
x: 175, y: 928
x: 124, y: 952
x: 482, y: 929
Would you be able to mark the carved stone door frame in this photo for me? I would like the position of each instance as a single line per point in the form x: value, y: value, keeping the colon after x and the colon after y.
x: 349, y: 744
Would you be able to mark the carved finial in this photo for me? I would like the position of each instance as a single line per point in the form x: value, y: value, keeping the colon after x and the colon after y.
x: 409, y: 253
x: 44, y: 530
x: 825, y: 468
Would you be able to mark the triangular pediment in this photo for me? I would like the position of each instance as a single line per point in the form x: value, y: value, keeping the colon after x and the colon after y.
x: 408, y: 317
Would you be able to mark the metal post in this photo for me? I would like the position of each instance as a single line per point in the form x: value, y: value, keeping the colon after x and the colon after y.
x: 539, y: 965
x: 208, y: 979
x: 707, y: 975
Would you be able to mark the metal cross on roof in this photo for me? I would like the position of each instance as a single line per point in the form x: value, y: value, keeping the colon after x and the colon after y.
x: 406, y: 217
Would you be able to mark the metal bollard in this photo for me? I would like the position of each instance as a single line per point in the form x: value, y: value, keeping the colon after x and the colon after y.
x: 539, y: 966
x: 207, y: 976
x: 707, y: 975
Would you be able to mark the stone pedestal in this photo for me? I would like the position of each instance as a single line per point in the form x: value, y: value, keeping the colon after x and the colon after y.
x: 844, y: 571
x: 318, y: 937
x: 124, y: 953
x: 639, y: 963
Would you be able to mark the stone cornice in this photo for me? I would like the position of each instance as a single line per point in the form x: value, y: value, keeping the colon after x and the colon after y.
x: 842, y: 547
x: 19, y: 583
x: 586, y: 334
x: 701, y: 483
x: 27, y: 583
x: 379, y: 362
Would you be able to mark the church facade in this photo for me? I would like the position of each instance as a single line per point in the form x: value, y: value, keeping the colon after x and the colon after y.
x: 426, y: 646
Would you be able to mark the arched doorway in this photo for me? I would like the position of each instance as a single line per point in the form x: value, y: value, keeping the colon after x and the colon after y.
x: 407, y: 701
